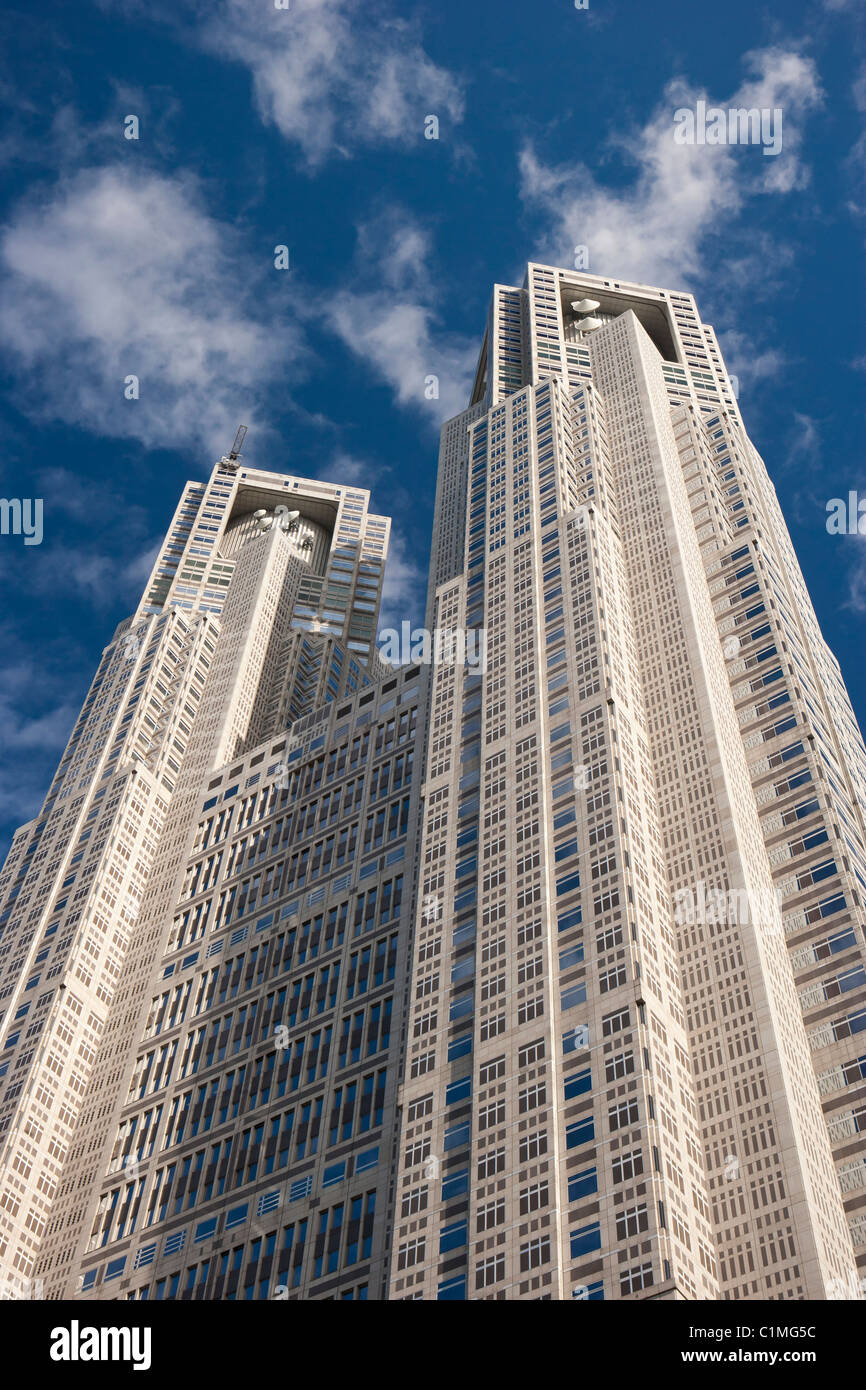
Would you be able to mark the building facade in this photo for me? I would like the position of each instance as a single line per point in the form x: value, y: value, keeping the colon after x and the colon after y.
x: 119, y: 899
x: 638, y: 996
x: 537, y: 979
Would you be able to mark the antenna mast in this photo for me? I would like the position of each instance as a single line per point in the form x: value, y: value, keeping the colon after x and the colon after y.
x: 232, y: 458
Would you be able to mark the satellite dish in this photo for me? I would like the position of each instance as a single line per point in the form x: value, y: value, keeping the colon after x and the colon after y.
x: 585, y: 306
x: 587, y: 325
x: 262, y: 511
x: 266, y: 524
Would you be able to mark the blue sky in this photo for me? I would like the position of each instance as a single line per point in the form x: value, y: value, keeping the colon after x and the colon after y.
x: 304, y: 127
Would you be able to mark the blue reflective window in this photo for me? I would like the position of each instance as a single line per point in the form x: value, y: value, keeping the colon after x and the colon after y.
x: 578, y: 1084
x: 567, y: 884
x: 581, y: 1132
x: 570, y: 919
x: 573, y: 955
x: 586, y: 1239
x: 464, y: 971
x: 575, y: 1039
x: 453, y: 1236
x: 452, y: 1289
x: 456, y: 1136
x: 455, y: 1184
x: 582, y: 1184
x: 576, y: 994
x: 460, y: 1047
x: 458, y: 1090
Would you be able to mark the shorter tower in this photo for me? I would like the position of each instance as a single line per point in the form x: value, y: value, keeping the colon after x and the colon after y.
x: 262, y: 606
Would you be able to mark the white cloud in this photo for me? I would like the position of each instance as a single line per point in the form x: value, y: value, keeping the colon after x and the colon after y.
x: 36, y: 719
x: 392, y: 324
x: 807, y: 444
x: 659, y: 229
x: 787, y: 79
x: 856, y: 160
x: 857, y: 575
x: 405, y: 588
x: 346, y: 468
x: 93, y: 573
x: 748, y: 362
x: 116, y: 273
x: 69, y: 140
x: 332, y: 75
x: 68, y: 493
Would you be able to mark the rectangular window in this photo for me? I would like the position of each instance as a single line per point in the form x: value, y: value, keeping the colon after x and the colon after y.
x: 585, y: 1240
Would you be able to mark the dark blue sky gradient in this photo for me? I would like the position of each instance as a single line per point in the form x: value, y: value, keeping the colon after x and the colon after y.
x: 779, y: 269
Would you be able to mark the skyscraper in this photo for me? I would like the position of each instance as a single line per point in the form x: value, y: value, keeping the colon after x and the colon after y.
x: 541, y: 980
x: 192, y: 853
x: 633, y: 1066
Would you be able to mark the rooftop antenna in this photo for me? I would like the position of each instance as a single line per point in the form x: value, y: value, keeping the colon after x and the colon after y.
x: 232, y: 458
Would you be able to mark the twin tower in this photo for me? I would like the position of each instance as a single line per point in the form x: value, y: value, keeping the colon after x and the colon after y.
x: 327, y: 979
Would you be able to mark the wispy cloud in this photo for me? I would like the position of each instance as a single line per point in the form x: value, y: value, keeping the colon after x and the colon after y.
x: 749, y: 363
x: 663, y: 227
x: 95, y: 574
x: 69, y: 141
x: 345, y: 468
x: 799, y: 459
x: 116, y: 272
x: 36, y: 717
x: 805, y: 442
x: 332, y: 76
x: 856, y: 548
x: 73, y: 495
x: 392, y: 322
x: 855, y: 164
x: 405, y: 587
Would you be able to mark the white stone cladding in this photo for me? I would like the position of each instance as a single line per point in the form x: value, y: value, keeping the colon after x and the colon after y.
x: 617, y: 523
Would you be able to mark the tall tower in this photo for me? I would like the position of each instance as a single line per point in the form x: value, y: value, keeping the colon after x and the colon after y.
x: 633, y: 1068
x: 587, y: 1026
x: 125, y: 903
